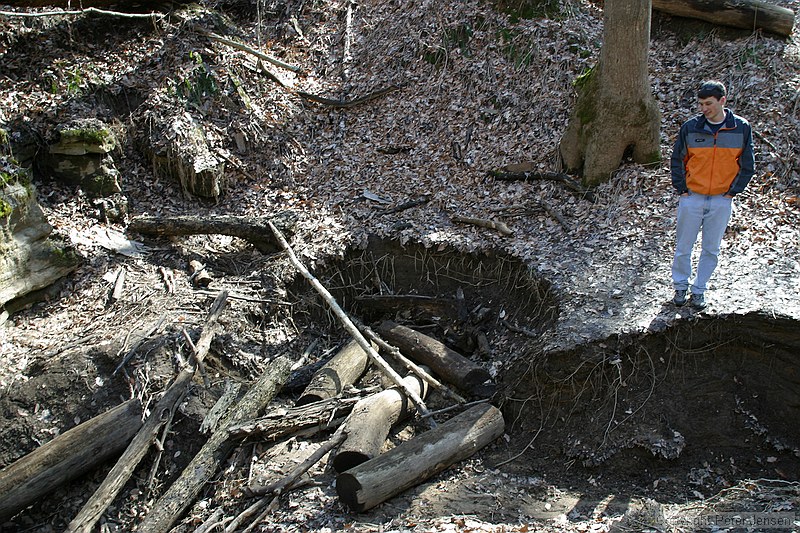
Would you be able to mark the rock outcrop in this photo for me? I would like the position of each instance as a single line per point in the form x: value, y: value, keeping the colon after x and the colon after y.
x: 82, y: 156
x: 29, y: 258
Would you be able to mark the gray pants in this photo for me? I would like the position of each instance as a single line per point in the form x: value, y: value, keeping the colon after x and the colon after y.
x: 696, y: 213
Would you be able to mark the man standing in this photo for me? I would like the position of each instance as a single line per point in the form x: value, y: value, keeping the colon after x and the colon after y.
x: 712, y: 161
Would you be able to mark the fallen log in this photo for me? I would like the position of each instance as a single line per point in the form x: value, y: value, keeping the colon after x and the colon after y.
x: 87, y: 517
x: 254, y: 230
x: 282, y: 422
x: 445, y: 362
x: 67, y: 456
x: 490, y: 224
x: 416, y: 460
x: 370, y: 422
x: 171, y: 505
x: 409, y: 365
x: 745, y: 14
x: 342, y: 370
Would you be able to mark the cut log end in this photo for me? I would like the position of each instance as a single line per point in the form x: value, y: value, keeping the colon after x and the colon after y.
x: 307, y: 399
x: 346, y: 460
x: 348, y: 488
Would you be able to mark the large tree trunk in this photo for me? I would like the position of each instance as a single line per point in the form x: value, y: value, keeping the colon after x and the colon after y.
x: 205, y: 464
x: 415, y: 460
x: 67, y: 456
x: 746, y: 14
x: 615, y: 109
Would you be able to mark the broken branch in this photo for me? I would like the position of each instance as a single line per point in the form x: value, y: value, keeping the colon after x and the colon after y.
x: 491, y: 224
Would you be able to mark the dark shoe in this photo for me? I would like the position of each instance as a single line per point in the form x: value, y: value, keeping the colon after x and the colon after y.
x: 680, y: 298
x: 698, y: 301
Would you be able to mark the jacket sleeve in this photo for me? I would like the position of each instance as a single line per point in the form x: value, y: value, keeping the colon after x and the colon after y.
x: 678, y: 162
x: 746, y: 163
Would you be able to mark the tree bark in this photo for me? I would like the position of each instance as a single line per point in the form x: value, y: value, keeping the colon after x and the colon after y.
x: 342, y: 370
x: 67, y: 457
x: 256, y: 231
x: 746, y: 14
x: 283, y: 422
x: 370, y: 422
x: 615, y: 109
x: 450, y: 365
x: 414, y: 461
x: 205, y: 464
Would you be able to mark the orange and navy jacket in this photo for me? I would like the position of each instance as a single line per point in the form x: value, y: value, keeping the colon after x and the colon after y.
x: 710, y: 164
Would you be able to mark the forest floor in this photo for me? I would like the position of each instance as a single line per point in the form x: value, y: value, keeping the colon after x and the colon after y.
x: 474, y: 90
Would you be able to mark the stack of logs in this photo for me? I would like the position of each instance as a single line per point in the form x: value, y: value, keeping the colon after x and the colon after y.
x: 365, y: 476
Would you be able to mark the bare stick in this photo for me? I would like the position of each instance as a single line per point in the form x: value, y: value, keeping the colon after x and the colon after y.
x: 491, y: 224
x: 83, y: 12
x: 249, y: 50
x: 350, y: 327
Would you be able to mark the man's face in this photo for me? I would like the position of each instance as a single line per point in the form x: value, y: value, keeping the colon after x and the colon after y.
x: 712, y: 108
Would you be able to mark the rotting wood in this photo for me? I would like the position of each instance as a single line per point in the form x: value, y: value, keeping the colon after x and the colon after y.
x: 445, y: 362
x: 283, y: 422
x: 527, y: 172
x: 68, y: 456
x: 87, y: 517
x: 409, y: 365
x: 413, y: 461
x: 370, y: 421
x: 171, y: 505
x: 344, y: 104
x: 746, y: 14
x: 482, y: 222
x: 342, y: 370
x: 215, y: 414
x: 119, y: 284
x: 348, y: 324
x: 254, y: 230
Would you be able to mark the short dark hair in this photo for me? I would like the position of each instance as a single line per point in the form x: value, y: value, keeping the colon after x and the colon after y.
x: 711, y: 88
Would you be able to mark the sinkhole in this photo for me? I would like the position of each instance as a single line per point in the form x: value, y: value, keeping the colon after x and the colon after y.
x: 707, y: 401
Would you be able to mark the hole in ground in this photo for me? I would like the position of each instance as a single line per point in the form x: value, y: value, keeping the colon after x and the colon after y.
x: 676, y: 415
